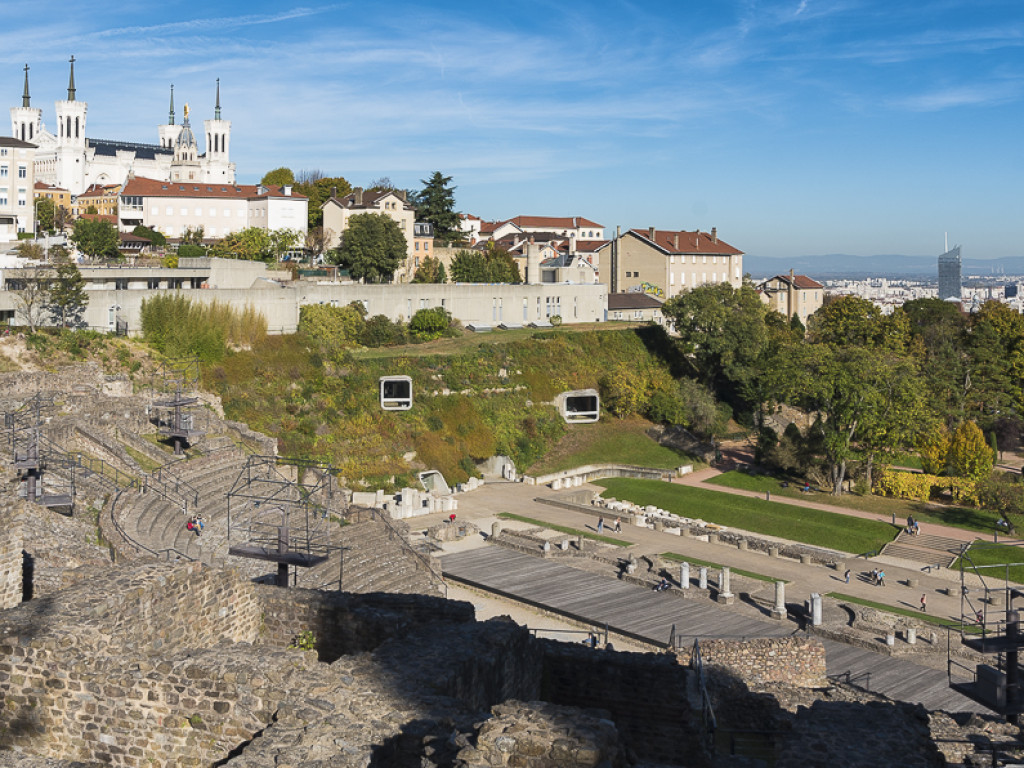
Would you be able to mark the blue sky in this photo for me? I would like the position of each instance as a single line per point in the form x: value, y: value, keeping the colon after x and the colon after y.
x: 800, y: 127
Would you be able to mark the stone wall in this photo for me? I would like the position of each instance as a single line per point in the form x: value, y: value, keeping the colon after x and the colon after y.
x: 797, y: 661
x: 11, y: 558
x: 344, y: 623
x: 645, y: 694
x: 72, y: 379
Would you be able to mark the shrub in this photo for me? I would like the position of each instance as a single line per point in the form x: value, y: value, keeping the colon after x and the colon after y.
x: 178, y: 327
x: 332, y: 329
x: 430, y: 324
x: 379, y: 331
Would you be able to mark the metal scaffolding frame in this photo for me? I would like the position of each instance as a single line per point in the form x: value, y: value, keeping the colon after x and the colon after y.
x: 990, y: 624
x: 33, y: 453
x: 172, y: 415
x: 279, y: 510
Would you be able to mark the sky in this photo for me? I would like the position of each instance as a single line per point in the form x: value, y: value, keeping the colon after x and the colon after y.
x: 796, y: 127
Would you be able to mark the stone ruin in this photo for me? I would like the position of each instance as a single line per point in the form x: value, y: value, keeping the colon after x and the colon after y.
x: 128, y: 661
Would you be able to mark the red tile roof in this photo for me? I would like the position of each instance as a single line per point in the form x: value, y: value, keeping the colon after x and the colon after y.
x: 370, y: 198
x: 802, y: 282
x: 688, y: 243
x: 44, y: 185
x: 589, y: 246
x: 554, y: 222
x: 154, y: 188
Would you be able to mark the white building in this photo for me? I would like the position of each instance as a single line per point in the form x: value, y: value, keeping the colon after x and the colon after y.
x: 67, y: 158
x: 17, y: 204
x: 172, y: 207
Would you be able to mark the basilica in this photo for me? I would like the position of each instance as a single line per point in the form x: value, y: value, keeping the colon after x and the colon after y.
x: 66, y: 158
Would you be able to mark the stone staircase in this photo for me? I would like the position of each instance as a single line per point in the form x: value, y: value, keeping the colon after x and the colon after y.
x: 374, y: 559
x: 925, y: 549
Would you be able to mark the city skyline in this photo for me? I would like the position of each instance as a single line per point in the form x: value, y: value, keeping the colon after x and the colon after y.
x: 795, y: 128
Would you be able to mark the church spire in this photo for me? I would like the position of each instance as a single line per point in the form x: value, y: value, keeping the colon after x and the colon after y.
x: 71, y: 81
x: 216, y: 113
x: 170, y: 118
x: 26, y: 100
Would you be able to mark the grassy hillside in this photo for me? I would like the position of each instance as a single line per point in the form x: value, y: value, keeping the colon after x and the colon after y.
x: 473, y: 399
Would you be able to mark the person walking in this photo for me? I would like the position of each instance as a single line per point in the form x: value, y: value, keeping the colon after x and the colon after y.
x: 847, y: 575
x: 881, y: 578
x: 618, y: 525
x: 924, y: 603
x: 600, y: 524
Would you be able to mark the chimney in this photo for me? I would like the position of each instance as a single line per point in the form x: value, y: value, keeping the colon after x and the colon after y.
x: 675, y: 242
x: 714, y: 234
x: 334, y: 193
x: 650, y: 234
x: 359, y: 195
x: 402, y: 195
x: 287, y: 189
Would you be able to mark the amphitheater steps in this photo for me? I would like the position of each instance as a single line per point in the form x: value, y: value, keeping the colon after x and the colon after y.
x: 925, y: 549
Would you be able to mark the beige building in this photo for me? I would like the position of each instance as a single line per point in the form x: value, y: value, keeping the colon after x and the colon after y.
x: 220, y: 209
x: 60, y: 196
x: 664, y: 263
x: 383, y: 202
x: 791, y: 295
x: 102, y: 197
x: 635, y: 307
x: 17, y: 186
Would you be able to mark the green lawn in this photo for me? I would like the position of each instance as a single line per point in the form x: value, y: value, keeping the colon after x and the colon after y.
x: 565, y: 529
x: 624, y: 441
x: 968, y: 518
x: 985, y: 554
x: 810, y: 526
x: 676, y: 557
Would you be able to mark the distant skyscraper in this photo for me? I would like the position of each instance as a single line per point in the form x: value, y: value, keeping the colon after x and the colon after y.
x: 949, y: 274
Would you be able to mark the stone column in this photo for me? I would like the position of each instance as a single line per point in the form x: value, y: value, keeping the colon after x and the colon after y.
x: 495, y: 529
x: 779, y: 611
x: 725, y: 595
x: 547, y: 547
x: 684, y: 575
x: 703, y: 581
x: 815, y: 609
x: 911, y: 636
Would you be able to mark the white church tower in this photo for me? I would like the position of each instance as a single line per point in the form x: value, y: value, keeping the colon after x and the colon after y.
x: 169, y: 133
x: 71, y: 171
x: 186, y: 165
x: 218, y: 165
x: 26, y: 120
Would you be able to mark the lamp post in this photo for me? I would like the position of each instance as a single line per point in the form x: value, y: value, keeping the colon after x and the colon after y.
x: 46, y: 239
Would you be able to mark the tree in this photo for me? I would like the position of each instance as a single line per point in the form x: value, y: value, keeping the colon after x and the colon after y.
x: 45, y: 211
x: 189, y: 251
x: 431, y: 270
x: 435, y: 204
x: 68, y: 297
x: 26, y: 249
x: 96, y: 238
x: 61, y: 216
x: 317, y: 239
x: 318, y: 189
x: 933, y: 449
x: 847, y: 320
x: 969, y: 455
x: 281, y: 240
x: 372, y: 247
x: 154, y: 237
x: 725, y: 336
x: 31, y: 297
x: 382, y: 184
x: 193, y: 235
x: 1003, y: 493
x: 278, y: 177
x: 249, y: 244
x: 492, y: 265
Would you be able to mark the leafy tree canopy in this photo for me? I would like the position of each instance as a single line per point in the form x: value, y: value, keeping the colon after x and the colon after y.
x: 278, y: 177
x: 493, y: 265
x: 431, y: 270
x: 68, y: 297
x: 96, y: 238
x: 372, y: 248
x: 156, y: 238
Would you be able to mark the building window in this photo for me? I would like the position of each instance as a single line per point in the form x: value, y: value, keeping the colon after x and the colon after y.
x: 120, y: 285
x: 3, y: 171
x: 153, y: 283
x: 170, y: 211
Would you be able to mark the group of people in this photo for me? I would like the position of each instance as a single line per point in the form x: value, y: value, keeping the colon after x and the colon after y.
x: 600, y: 525
x: 195, y: 524
x: 913, y: 527
x: 878, y: 577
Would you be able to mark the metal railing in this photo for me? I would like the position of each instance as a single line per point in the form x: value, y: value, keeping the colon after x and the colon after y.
x: 395, y: 535
x: 707, y: 713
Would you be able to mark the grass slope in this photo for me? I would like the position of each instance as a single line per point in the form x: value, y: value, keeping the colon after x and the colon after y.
x: 611, y: 440
x: 968, y: 518
x: 810, y: 526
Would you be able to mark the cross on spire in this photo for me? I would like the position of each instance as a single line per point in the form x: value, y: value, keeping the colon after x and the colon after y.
x: 216, y: 113
x: 25, y: 99
x: 170, y: 119
x: 71, y: 81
